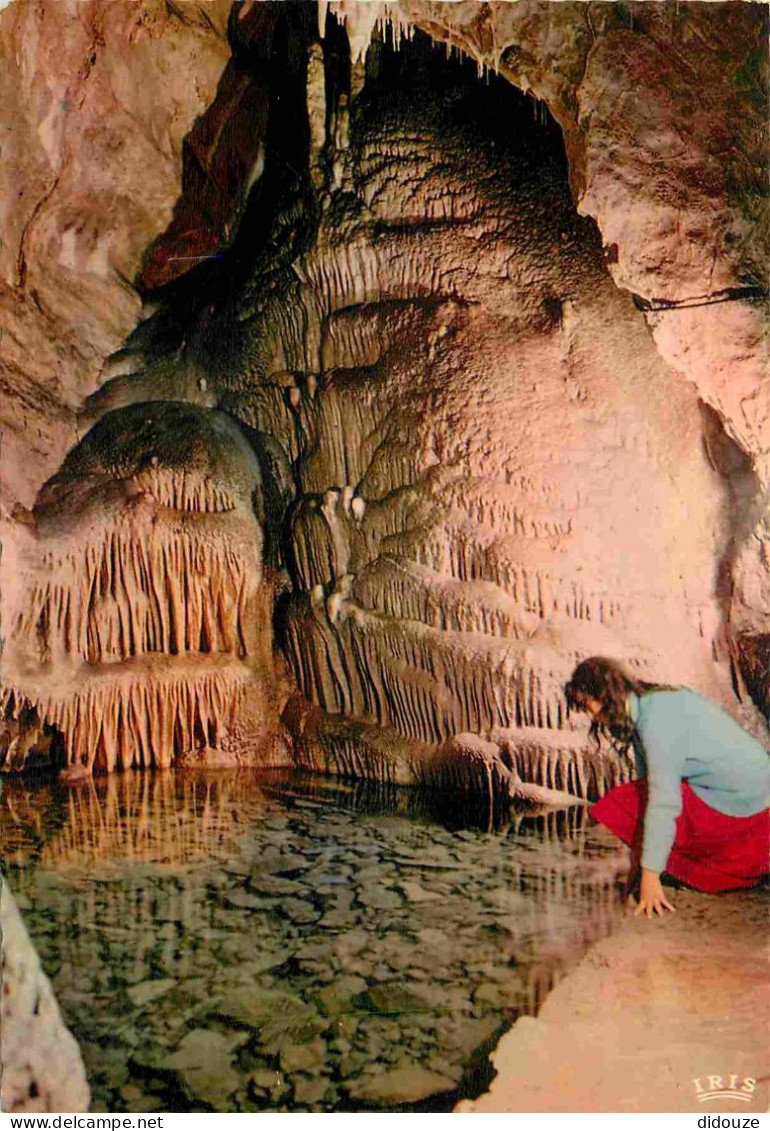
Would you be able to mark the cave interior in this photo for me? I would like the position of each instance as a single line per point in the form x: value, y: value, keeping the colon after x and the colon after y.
x: 395, y: 441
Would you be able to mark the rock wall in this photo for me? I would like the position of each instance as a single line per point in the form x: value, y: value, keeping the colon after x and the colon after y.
x: 491, y: 466
x: 673, y: 180
x: 115, y: 568
x: 97, y: 99
x: 40, y: 1064
x: 661, y: 107
x: 476, y: 463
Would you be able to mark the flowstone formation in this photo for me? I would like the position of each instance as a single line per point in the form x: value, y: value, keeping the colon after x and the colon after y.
x: 471, y: 462
x: 494, y: 474
x: 140, y: 617
x: 481, y: 470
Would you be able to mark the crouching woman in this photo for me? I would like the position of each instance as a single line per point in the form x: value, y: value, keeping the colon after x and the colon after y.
x: 698, y: 810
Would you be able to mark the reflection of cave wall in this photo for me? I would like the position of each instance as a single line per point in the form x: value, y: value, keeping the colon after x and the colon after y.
x: 475, y: 467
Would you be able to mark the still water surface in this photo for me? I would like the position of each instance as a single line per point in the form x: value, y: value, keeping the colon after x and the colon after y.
x: 237, y: 941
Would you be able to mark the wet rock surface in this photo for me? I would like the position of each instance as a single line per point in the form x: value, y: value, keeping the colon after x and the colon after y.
x: 310, y: 951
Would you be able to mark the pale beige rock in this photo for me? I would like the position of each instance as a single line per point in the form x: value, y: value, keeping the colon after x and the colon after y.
x: 40, y: 1063
x: 97, y: 99
x: 650, y: 1010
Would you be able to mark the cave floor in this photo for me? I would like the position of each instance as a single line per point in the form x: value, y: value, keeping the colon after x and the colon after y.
x: 650, y: 1010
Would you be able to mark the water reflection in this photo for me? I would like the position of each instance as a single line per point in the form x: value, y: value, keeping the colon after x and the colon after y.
x: 175, y: 818
x: 246, y: 941
x: 163, y: 817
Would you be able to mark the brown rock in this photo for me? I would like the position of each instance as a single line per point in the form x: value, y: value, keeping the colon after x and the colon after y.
x: 406, y: 1083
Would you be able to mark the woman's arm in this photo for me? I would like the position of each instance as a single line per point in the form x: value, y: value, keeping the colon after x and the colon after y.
x: 660, y: 734
x: 661, y: 737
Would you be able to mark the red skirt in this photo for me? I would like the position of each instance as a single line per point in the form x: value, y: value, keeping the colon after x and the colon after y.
x: 711, y: 851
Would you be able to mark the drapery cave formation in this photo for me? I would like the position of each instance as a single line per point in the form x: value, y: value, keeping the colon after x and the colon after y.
x: 448, y: 371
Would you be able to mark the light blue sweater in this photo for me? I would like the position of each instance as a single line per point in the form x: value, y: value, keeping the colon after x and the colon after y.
x: 680, y: 736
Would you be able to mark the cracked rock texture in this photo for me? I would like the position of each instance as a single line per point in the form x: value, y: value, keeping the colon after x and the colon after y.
x: 41, y: 1068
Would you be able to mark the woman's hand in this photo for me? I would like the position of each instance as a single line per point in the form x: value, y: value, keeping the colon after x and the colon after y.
x: 651, y: 897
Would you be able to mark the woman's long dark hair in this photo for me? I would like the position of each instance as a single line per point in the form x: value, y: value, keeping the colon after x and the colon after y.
x: 610, y: 683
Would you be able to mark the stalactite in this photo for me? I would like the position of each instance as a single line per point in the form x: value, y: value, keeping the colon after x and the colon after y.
x: 346, y: 429
x: 362, y: 24
x: 472, y: 554
x: 440, y: 685
x: 470, y: 767
x: 186, y: 491
x: 120, y: 595
x: 140, y: 719
x: 561, y: 761
x: 140, y: 615
x: 429, y: 686
x: 321, y: 533
x: 438, y: 546
x: 496, y: 506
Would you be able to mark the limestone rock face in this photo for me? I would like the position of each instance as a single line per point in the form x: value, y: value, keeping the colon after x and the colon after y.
x: 139, y: 618
x: 662, y: 108
x: 494, y: 472
x: 97, y: 99
x: 476, y: 463
x: 40, y: 1064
